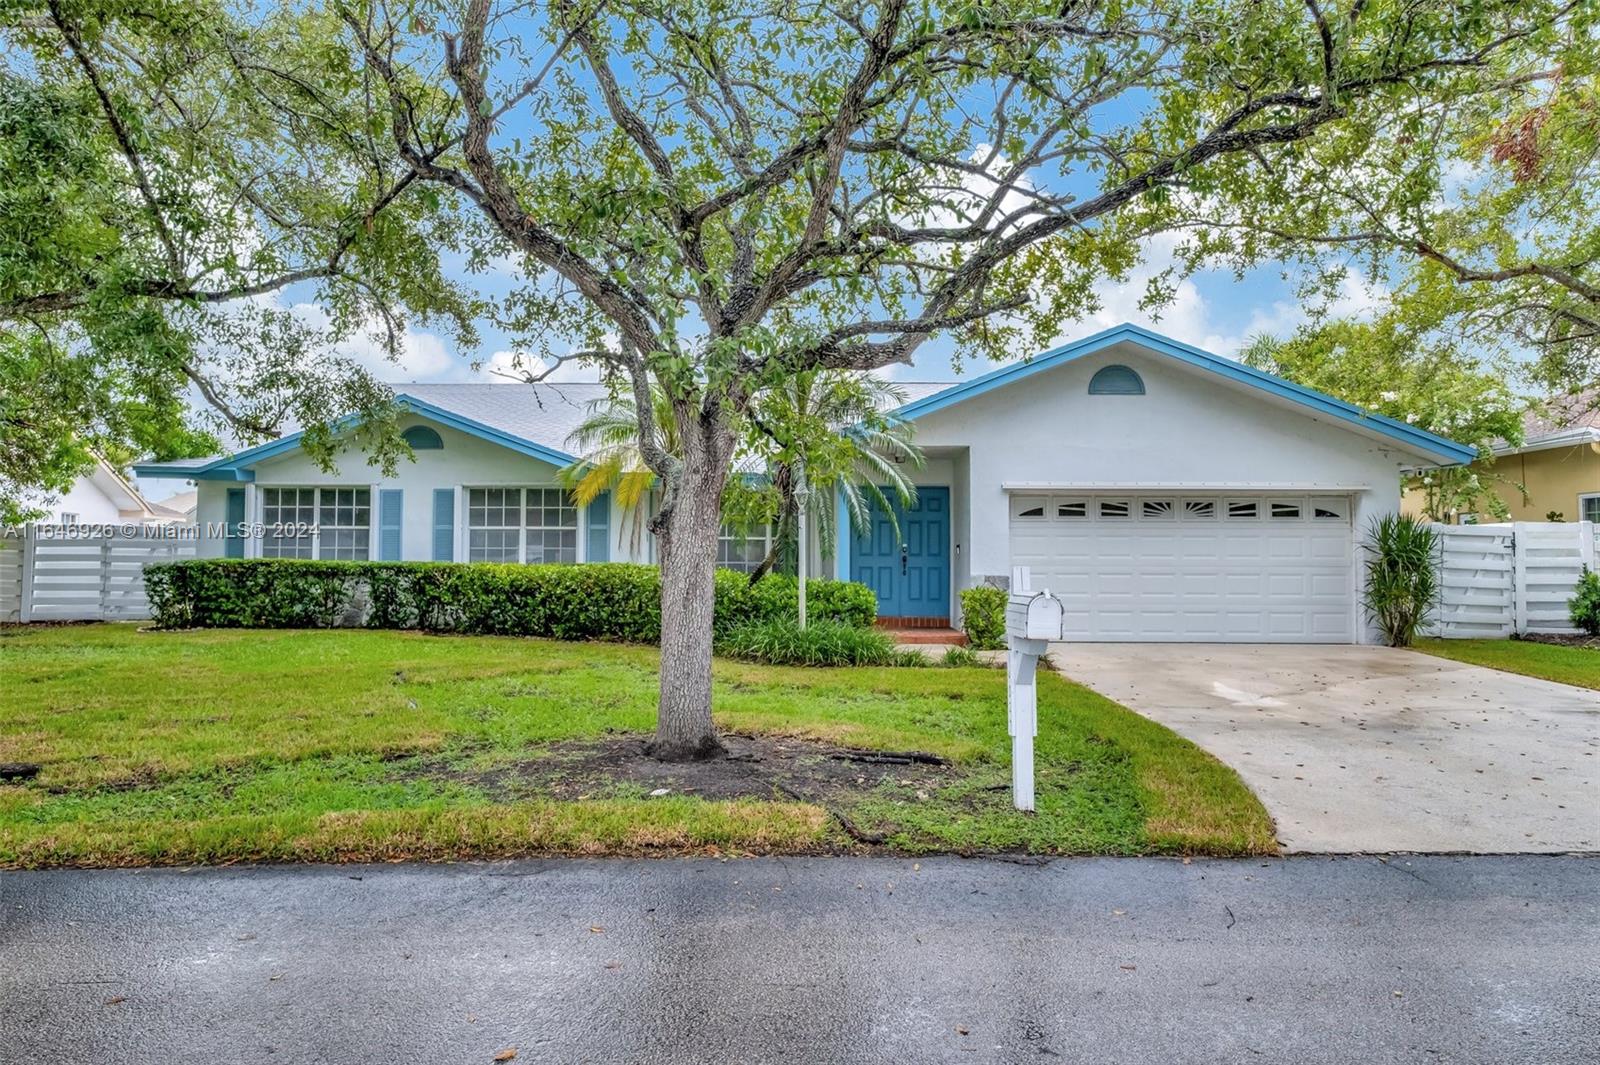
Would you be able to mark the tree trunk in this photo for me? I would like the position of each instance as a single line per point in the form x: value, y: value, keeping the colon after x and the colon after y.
x: 688, y: 543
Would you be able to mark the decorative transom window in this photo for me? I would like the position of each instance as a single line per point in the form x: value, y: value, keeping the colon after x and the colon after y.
x: 743, y: 549
x: 1281, y: 511
x: 1200, y: 509
x: 331, y: 523
x: 1027, y: 507
x: 1115, y: 509
x: 422, y: 438
x: 1158, y: 509
x: 1330, y: 508
x: 521, y: 525
x: 1072, y: 508
x: 1116, y: 381
x: 1243, y: 509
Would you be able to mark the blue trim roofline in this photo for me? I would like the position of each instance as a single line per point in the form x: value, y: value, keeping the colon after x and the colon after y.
x: 1410, y: 435
x: 236, y: 467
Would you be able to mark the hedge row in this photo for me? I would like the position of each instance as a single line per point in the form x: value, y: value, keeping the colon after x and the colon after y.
x: 598, y: 601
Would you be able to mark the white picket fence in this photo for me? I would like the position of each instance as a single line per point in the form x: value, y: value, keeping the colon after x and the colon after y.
x: 51, y: 573
x: 1497, y: 580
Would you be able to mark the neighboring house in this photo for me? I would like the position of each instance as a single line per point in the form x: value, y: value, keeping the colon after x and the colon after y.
x: 180, y: 506
x: 1164, y: 492
x: 1557, y: 466
x: 102, y: 496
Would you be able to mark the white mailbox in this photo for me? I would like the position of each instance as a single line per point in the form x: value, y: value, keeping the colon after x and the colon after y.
x: 1032, y: 622
x: 1034, y: 617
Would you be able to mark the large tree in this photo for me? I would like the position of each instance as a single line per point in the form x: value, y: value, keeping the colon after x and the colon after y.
x: 724, y: 195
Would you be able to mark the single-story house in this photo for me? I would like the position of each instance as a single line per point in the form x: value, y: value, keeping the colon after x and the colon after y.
x: 1164, y: 492
x: 1554, y: 471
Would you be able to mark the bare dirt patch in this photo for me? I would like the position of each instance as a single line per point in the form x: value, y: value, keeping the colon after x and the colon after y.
x: 757, y: 767
x: 1562, y: 639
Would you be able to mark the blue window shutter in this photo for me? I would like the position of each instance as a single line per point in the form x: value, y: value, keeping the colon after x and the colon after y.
x: 390, y: 509
x: 233, y: 543
x: 600, y: 528
x: 444, y: 524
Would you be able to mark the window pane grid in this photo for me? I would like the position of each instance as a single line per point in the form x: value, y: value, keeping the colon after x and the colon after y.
x: 742, y: 551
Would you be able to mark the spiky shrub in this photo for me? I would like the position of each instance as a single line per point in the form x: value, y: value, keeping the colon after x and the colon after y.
x: 822, y: 643
x: 1402, y: 586
x: 1584, y: 606
x: 983, y: 617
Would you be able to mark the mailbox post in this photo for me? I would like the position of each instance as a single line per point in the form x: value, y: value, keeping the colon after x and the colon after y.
x: 1032, y: 621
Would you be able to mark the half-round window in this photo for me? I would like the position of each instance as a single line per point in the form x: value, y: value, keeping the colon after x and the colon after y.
x: 1115, y: 381
x: 421, y: 438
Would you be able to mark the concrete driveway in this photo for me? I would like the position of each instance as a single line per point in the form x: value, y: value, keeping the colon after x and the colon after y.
x: 1370, y: 749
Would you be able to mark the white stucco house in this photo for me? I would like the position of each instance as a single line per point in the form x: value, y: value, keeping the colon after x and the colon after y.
x: 101, y: 496
x: 1165, y: 493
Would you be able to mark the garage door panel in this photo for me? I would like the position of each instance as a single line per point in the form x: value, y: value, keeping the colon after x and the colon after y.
x: 1227, y: 572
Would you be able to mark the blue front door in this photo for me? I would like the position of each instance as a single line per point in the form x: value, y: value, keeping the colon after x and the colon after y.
x: 911, y: 573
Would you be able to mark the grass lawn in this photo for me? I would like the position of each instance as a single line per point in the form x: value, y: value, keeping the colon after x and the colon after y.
x: 192, y: 747
x: 1568, y: 665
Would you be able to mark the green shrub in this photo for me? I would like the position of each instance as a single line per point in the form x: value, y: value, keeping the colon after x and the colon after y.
x: 983, y: 617
x: 1584, y: 606
x: 782, y: 642
x: 610, y: 600
x: 1402, y: 586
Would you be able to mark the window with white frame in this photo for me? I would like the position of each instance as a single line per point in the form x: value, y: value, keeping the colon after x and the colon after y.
x: 521, y: 525
x: 743, y: 549
x: 1589, y: 507
x: 551, y: 528
x: 344, y: 523
x: 288, y: 515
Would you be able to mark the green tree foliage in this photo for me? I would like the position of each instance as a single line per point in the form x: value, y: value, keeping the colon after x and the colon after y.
x: 1481, y: 215
x: 1411, y: 376
x: 167, y: 172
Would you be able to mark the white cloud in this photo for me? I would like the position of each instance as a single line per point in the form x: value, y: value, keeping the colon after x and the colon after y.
x: 422, y: 355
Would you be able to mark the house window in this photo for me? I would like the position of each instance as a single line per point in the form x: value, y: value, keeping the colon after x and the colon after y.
x: 69, y: 517
x: 552, y: 526
x: 1589, y: 507
x: 1115, y: 381
x: 289, y: 515
x: 1115, y: 509
x: 521, y: 525
x: 422, y: 438
x: 344, y: 523
x: 743, y: 549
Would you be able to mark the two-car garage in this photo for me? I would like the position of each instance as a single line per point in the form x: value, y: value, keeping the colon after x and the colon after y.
x: 1192, y: 565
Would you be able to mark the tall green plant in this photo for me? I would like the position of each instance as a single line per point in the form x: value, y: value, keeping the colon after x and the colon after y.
x: 1402, y: 587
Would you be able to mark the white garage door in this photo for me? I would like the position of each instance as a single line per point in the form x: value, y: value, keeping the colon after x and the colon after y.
x: 1203, y: 568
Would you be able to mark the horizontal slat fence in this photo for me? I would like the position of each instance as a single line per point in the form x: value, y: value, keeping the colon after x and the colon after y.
x: 51, y: 574
x: 1496, y: 580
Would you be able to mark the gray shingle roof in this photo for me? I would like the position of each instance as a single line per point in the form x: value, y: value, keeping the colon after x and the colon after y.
x: 547, y: 414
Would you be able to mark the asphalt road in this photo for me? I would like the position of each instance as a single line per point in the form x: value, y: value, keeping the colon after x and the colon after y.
x: 1481, y: 960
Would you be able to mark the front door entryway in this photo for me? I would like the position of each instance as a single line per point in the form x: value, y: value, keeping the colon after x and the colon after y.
x: 910, y: 573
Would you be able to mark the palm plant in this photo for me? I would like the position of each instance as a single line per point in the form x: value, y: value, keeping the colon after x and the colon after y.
x: 1402, y: 586
x: 829, y: 429
x: 835, y: 432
